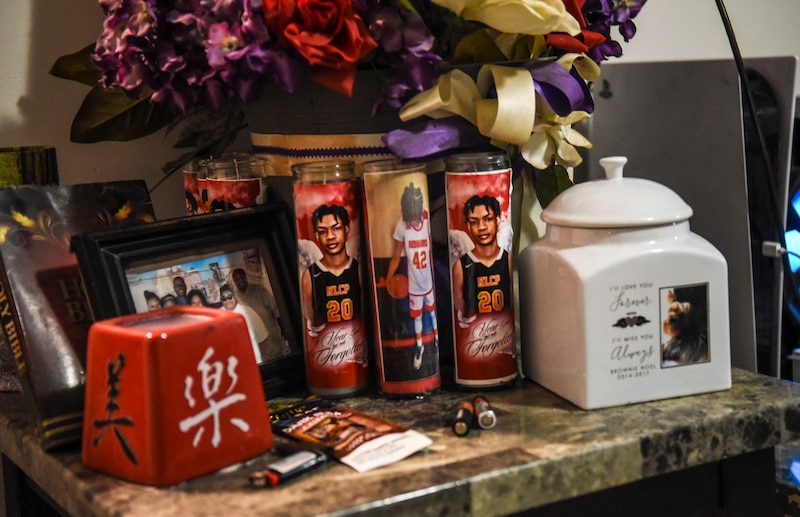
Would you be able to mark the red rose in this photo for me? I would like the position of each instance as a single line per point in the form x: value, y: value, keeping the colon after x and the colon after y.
x: 327, y: 33
x: 278, y: 14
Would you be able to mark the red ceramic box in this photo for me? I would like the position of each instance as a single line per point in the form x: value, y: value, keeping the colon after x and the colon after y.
x: 172, y: 395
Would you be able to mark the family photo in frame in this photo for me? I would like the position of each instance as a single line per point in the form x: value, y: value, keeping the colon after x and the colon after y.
x: 233, y: 280
x: 239, y: 261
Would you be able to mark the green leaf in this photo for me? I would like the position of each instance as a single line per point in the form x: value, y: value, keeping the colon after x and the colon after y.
x: 551, y: 182
x: 109, y: 114
x: 77, y: 67
x: 204, y: 128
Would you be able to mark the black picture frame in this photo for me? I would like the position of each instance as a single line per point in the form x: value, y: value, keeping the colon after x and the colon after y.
x: 115, y: 264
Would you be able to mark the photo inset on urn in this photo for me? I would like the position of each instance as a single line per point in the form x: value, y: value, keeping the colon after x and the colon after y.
x: 235, y: 280
x: 684, y: 325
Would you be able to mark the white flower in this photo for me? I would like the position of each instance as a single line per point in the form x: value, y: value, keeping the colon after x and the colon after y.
x: 554, y: 136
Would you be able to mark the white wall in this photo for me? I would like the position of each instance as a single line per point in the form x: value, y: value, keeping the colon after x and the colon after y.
x: 692, y: 29
x: 37, y: 109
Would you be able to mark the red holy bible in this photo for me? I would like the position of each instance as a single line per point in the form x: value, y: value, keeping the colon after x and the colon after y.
x: 171, y: 395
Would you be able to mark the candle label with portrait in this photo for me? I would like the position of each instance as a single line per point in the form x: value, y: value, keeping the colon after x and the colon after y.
x: 480, y: 240
x: 328, y: 222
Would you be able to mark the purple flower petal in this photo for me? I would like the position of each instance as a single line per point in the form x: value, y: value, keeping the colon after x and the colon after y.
x: 628, y: 30
x: 430, y: 139
x: 563, y: 91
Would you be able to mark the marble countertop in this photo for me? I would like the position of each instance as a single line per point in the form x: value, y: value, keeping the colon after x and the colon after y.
x: 542, y: 450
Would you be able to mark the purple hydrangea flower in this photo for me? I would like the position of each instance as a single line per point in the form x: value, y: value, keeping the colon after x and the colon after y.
x: 222, y: 40
x: 405, y: 48
x: 192, y: 53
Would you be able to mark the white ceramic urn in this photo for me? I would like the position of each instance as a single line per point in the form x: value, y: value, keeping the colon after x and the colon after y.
x: 620, y: 302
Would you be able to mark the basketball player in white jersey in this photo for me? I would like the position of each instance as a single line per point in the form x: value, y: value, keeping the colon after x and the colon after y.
x: 412, y: 234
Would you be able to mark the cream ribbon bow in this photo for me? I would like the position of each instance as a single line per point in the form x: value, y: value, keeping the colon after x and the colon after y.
x: 508, y: 118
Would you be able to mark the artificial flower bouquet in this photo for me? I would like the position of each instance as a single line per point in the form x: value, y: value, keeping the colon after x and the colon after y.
x: 160, y: 62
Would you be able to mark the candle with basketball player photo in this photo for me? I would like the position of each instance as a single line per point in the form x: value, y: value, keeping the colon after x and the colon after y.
x: 478, y: 194
x: 327, y: 210
x: 398, y: 235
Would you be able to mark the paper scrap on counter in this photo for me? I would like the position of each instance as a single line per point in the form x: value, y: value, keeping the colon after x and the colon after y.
x: 361, y: 441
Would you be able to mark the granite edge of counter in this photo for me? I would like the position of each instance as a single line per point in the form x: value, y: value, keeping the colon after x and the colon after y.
x: 541, y: 481
x: 536, y: 481
x: 516, y: 488
x: 28, y: 456
x: 609, y: 465
x: 721, y: 432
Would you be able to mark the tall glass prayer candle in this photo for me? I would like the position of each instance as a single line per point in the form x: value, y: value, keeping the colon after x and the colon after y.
x: 397, y: 227
x: 478, y: 194
x: 235, y: 181
x: 328, y: 214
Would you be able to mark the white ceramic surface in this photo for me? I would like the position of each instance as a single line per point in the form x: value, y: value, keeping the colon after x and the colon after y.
x: 616, y: 202
x: 609, y: 295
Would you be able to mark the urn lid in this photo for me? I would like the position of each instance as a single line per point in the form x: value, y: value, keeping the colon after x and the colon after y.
x: 616, y: 202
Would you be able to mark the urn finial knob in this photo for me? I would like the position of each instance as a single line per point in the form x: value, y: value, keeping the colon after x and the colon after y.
x: 613, y: 166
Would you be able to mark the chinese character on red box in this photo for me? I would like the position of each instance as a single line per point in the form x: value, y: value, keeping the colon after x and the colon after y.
x: 172, y: 395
